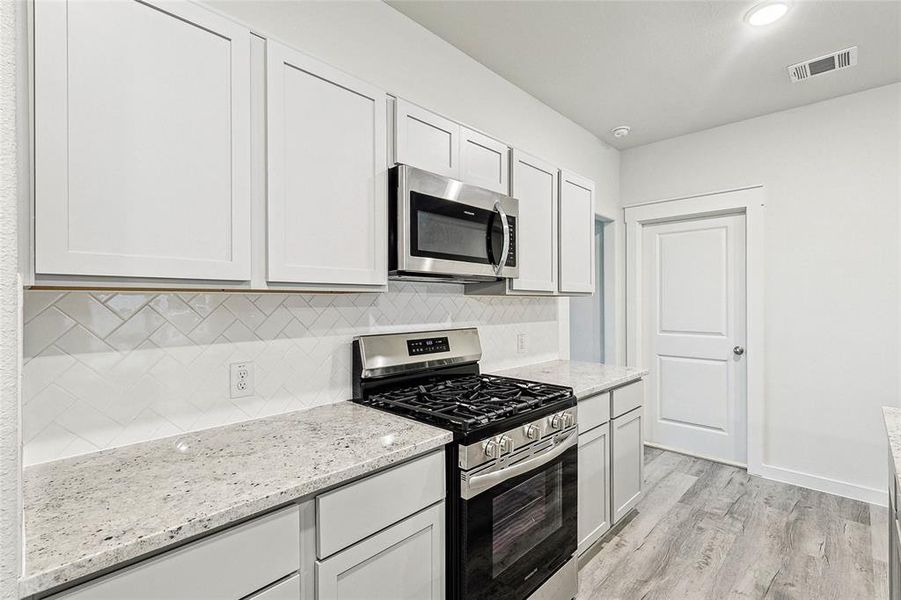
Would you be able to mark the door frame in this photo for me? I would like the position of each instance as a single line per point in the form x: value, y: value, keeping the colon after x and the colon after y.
x: 751, y: 202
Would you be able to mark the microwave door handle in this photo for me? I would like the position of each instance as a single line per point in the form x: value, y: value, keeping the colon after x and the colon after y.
x: 477, y: 484
x: 506, y: 227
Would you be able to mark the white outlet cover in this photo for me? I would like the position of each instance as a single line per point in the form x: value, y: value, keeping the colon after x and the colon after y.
x: 240, y: 379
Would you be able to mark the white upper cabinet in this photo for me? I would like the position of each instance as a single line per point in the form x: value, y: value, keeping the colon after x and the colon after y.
x: 141, y: 141
x: 535, y: 186
x: 327, y: 171
x: 425, y: 140
x: 484, y: 161
x: 577, y: 251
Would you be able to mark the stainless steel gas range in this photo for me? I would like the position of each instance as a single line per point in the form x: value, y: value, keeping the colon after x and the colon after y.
x: 512, y: 480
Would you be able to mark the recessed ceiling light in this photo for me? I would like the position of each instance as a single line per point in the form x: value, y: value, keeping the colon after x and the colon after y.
x: 621, y: 131
x: 766, y: 13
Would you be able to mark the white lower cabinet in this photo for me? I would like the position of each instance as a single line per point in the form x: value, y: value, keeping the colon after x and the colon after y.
x: 403, y: 562
x: 594, y: 485
x: 225, y: 566
x: 627, y: 450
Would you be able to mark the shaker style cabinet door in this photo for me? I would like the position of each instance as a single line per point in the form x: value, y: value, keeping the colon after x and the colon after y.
x: 425, y: 140
x: 327, y: 164
x: 594, y: 485
x: 535, y: 186
x: 403, y: 562
x: 627, y: 449
x: 141, y: 141
x: 576, y: 234
x: 484, y: 161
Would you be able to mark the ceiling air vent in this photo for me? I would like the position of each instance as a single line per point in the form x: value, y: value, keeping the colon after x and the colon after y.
x: 823, y: 64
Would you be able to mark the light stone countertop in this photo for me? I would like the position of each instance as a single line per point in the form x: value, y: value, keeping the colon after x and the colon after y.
x: 892, y: 417
x: 91, y: 512
x: 585, y: 378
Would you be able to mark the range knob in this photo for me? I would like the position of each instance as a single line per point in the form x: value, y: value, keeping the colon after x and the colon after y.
x: 492, y: 449
x: 506, y: 444
x: 532, y: 432
x: 568, y: 420
x: 556, y: 422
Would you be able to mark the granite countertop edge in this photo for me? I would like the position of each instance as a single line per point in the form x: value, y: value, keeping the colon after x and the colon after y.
x: 892, y: 420
x: 83, y: 567
x: 587, y: 379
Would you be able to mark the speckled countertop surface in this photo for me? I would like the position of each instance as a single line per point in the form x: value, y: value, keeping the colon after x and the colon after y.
x: 892, y: 418
x: 585, y: 378
x: 91, y: 512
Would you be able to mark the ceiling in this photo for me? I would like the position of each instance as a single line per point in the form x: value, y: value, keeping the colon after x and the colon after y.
x: 666, y: 68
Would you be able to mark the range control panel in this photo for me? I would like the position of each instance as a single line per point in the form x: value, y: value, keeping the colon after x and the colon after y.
x: 428, y: 346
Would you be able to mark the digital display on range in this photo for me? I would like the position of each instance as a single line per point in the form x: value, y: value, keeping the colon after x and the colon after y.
x: 427, y: 346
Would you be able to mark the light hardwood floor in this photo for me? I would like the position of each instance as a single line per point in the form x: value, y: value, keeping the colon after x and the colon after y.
x: 710, y: 531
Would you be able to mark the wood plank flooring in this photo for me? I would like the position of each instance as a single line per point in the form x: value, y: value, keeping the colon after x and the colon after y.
x: 711, y: 531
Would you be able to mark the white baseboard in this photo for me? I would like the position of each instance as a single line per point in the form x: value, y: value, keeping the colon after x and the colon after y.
x: 805, y: 480
x: 696, y: 455
x: 824, y: 484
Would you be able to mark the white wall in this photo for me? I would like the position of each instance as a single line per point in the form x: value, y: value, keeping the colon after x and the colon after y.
x: 831, y: 175
x: 11, y: 22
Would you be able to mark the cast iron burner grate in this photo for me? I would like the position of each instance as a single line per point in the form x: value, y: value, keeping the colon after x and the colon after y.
x: 464, y: 403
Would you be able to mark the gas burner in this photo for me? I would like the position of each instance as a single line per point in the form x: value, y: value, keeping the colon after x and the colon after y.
x: 468, y: 402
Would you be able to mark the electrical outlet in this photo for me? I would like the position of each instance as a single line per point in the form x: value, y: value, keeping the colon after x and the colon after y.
x: 240, y: 379
x: 522, y: 343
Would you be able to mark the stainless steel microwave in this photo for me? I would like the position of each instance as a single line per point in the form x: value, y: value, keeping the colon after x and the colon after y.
x: 440, y: 229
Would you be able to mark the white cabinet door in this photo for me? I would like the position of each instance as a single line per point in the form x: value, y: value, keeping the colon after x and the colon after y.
x: 403, y: 562
x: 142, y: 148
x: 594, y: 485
x: 535, y: 186
x: 627, y: 448
x: 484, y: 161
x: 425, y: 140
x: 576, y: 234
x: 327, y: 149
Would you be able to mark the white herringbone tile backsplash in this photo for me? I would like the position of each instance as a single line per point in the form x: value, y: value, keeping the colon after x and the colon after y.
x: 109, y: 369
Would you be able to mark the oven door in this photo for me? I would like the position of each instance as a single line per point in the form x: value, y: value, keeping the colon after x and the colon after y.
x: 451, y: 229
x: 522, y: 529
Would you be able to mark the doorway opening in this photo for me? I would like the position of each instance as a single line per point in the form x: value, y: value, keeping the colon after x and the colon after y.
x: 587, y: 331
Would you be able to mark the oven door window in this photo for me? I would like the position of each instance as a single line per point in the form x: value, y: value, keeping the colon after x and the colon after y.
x: 520, y: 532
x: 450, y: 230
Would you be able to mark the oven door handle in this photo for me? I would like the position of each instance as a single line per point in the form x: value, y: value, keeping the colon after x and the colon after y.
x: 475, y: 485
x: 506, y: 248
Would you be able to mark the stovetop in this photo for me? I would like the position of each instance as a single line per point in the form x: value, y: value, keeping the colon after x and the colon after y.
x: 469, y: 403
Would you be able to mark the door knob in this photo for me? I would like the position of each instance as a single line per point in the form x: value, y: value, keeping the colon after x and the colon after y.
x: 738, y: 350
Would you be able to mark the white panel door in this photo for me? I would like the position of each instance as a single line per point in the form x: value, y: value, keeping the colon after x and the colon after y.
x: 142, y: 148
x: 594, y: 485
x: 693, y: 322
x: 425, y: 140
x: 484, y: 161
x: 576, y: 234
x: 327, y: 165
x: 403, y: 562
x: 535, y: 186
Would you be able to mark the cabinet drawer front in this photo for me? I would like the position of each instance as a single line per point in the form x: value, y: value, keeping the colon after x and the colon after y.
x: 629, y: 397
x: 404, y: 562
x: 224, y: 566
x: 594, y: 411
x: 142, y: 141
x: 289, y: 589
x: 355, y: 511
